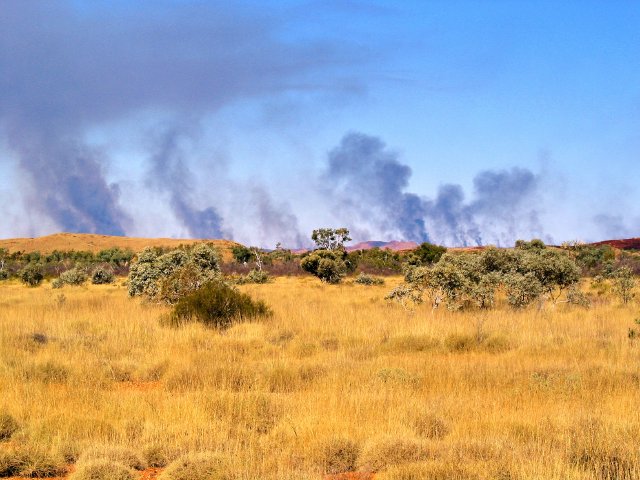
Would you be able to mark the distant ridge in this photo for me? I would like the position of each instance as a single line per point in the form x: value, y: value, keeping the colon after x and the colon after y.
x: 622, y: 244
x: 94, y: 243
x: 395, y: 245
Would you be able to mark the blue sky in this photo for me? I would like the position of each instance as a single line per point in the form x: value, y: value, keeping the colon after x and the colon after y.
x: 458, y: 122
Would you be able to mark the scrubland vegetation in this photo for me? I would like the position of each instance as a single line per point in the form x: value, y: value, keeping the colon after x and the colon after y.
x: 321, y: 379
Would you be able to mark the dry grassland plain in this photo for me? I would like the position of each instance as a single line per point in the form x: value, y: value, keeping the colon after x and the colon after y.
x: 336, y: 380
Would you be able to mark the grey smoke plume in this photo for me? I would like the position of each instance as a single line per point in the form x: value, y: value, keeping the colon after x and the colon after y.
x: 275, y: 221
x: 170, y: 172
x: 369, y: 185
x: 369, y: 182
x: 66, y: 69
x: 69, y: 183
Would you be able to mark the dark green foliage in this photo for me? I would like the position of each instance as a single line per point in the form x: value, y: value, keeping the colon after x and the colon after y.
x: 241, y: 254
x: 32, y: 274
x: 217, y: 305
x: 593, y: 259
x: 522, y: 289
x: 376, y: 260
x: 426, y: 254
x: 115, y: 256
x: 536, y: 245
x: 102, y: 275
x: 330, y: 238
x: 328, y: 265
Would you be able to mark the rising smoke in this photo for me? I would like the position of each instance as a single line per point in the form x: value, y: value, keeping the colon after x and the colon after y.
x: 170, y: 173
x: 67, y: 70
x: 369, y: 185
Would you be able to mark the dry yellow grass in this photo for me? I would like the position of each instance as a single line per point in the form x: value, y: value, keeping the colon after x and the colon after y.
x: 336, y: 376
x: 94, y: 243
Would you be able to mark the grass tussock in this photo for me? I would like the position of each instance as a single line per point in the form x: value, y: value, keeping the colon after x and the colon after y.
x: 334, y: 379
x: 198, y: 466
x: 338, y: 454
x: 114, y: 453
x: 8, y: 426
x: 102, y: 470
x: 32, y: 462
x: 381, y: 453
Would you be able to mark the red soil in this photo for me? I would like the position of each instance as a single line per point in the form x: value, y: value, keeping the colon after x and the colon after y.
x: 622, y: 244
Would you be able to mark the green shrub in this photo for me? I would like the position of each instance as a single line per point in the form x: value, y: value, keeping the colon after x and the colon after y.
x: 74, y: 276
x: 4, y: 275
x: 217, y: 305
x: 364, y: 279
x: 102, y: 275
x: 168, y: 277
x: 8, y: 426
x: 199, y: 466
x: 624, y: 284
x: 32, y: 275
x: 102, y: 470
x: 328, y: 265
x: 254, y: 276
x: 57, y: 283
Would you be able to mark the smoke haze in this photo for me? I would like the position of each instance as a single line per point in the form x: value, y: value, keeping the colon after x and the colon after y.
x: 369, y: 185
x: 120, y: 118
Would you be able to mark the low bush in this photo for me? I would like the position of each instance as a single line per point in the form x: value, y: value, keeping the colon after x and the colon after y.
x: 8, y: 426
x: 364, y: 279
x: 4, y: 274
x: 429, y: 425
x: 168, y: 277
x: 199, y: 466
x: 217, y: 305
x: 102, y: 275
x: 113, y: 453
x: 254, y: 276
x: 338, y: 455
x: 29, y: 462
x: 156, y: 456
x: 9, y: 464
x: 32, y: 275
x: 102, y: 470
x: 74, y: 276
x: 37, y: 462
